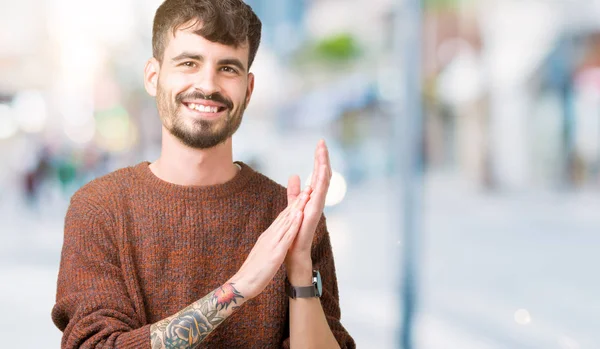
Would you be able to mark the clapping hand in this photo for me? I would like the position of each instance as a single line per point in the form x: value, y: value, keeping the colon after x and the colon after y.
x: 298, y: 260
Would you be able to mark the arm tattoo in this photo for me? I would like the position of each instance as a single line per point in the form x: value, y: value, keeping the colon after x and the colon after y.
x: 189, y: 327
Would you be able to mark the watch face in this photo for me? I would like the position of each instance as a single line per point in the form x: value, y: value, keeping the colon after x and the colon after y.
x: 319, y: 283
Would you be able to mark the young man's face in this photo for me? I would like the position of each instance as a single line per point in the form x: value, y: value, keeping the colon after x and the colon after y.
x: 202, y: 88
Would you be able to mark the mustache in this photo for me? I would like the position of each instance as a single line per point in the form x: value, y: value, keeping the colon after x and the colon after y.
x: 215, y: 97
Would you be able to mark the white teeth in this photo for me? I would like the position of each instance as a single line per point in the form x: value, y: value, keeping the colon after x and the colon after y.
x: 203, y: 108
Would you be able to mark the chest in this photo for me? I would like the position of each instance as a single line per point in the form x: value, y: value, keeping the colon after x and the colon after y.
x: 178, y: 254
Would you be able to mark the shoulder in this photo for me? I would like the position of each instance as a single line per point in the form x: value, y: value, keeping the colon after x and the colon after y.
x: 106, y: 191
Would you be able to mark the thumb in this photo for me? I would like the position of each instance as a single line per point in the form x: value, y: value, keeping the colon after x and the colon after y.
x: 293, y: 189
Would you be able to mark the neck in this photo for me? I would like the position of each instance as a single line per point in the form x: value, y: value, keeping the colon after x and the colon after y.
x: 182, y: 165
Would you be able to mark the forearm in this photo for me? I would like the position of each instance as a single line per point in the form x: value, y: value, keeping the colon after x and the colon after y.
x: 308, y: 325
x: 190, y: 326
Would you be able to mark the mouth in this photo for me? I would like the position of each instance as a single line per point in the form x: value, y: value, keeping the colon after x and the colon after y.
x: 205, y: 110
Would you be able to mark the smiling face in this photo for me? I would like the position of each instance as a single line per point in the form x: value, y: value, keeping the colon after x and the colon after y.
x: 202, y: 88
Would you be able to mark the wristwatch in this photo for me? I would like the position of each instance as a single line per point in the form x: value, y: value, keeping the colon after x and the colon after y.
x: 315, y: 290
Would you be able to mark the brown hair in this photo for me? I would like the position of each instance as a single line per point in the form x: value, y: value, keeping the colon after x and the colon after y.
x: 228, y: 22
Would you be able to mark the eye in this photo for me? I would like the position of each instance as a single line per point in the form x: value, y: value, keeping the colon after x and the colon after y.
x: 229, y: 70
x: 188, y: 64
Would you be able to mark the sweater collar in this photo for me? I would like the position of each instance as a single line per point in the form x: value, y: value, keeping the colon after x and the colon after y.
x: 236, y: 184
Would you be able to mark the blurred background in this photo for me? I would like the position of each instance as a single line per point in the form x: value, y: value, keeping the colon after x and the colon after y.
x: 506, y: 209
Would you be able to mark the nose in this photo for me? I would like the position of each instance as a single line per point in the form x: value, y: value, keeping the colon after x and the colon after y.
x: 206, y: 81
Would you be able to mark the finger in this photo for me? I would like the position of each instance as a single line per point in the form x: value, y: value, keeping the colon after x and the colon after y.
x: 321, y: 152
x: 280, y: 216
x: 322, y: 159
x: 304, y: 195
x: 292, y: 231
x: 275, y: 226
x: 298, y: 204
x: 327, y: 160
x: 313, y: 176
x: 299, y: 201
x: 293, y: 189
x: 302, y: 199
x: 320, y: 163
x: 285, y: 224
x: 322, y: 186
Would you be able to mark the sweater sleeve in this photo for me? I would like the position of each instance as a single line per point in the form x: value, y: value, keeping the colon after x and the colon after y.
x: 322, y: 257
x: 92, y: 307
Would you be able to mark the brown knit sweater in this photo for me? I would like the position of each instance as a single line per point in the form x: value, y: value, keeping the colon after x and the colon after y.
x: 138, y: 249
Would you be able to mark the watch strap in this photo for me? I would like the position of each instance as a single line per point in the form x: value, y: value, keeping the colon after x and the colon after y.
x: 311, y: 291
x: 302, y: 291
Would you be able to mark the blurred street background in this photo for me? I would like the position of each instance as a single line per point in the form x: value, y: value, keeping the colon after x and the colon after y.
x: 506, y: 248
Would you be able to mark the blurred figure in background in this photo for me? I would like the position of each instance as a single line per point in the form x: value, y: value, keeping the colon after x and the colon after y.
x: 35, y: 178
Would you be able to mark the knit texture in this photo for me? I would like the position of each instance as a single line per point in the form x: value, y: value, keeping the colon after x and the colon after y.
x: 138, y: 249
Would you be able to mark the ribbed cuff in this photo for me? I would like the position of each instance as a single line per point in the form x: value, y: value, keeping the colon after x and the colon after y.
x: 136, y: 339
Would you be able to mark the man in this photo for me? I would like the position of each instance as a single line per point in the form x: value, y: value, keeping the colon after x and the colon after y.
x: 195, y: 250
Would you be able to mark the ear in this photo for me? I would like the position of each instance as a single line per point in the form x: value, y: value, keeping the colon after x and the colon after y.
x: 151, y: 71
x: 250, y: 88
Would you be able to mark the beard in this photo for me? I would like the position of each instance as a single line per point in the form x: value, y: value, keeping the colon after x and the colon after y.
x: 195, y: 133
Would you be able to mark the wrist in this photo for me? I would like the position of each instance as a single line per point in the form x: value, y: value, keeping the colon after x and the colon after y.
x: 243, y: 287
x: 299, y: 273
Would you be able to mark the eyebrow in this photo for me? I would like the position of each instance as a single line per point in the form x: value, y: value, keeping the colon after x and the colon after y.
x: 233, y: 61
x: 188, y: 55
x: 198, y: 57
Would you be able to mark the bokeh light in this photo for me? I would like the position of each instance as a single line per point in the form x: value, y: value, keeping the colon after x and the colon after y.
x: 116, y: 133
x: 30, y: 111
x: 81, y: 132
x: 337, y: 188
x: 522, y: 317
x: 8, y: 124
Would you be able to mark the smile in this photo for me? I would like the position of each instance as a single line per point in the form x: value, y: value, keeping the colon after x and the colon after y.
x: 205, y: 108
